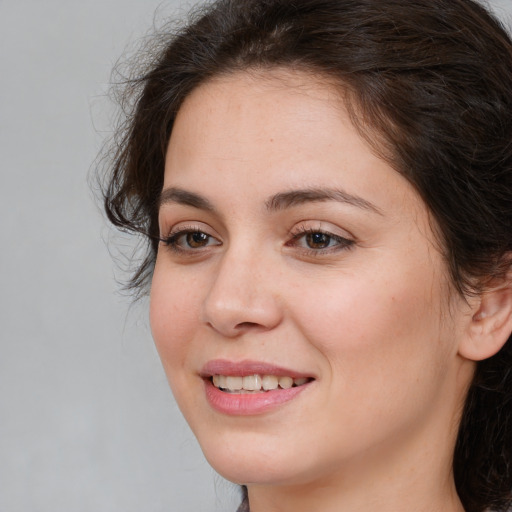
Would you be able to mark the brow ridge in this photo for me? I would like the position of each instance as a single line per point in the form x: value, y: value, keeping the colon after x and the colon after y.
x: 278, y: 202
x: 184, y: 197
x: 292, y: 198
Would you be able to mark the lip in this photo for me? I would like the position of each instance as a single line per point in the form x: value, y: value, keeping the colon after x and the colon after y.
x: 248, y: 367
x: 234, y: 404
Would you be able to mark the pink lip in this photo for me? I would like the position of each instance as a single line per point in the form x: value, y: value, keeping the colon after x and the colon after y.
x: 248, y: 404
x: 247, y: 367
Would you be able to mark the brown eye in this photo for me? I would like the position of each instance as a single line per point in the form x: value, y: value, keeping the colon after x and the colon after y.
x: 197, y: 239
x: 318, y: 240
x: 190, y: 241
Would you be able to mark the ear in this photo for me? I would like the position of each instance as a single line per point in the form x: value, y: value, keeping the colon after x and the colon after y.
x: 491, y: 323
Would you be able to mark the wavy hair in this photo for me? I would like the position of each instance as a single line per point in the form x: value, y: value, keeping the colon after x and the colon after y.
x: 428, y: 84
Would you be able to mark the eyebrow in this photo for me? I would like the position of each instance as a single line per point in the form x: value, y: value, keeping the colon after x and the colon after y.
x: 280, y: 201
x: 180, y: 196
x: 293, y: 198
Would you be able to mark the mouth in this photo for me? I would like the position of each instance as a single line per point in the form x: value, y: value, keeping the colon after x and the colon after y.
x: 251, y: 387
x: 251, y: 384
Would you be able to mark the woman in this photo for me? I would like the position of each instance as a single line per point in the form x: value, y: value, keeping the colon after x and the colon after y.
x: 326, y: 190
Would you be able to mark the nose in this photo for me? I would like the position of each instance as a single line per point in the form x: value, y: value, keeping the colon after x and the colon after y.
x: 242, y: 296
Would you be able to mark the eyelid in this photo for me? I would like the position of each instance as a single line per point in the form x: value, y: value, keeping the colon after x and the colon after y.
x: 338, y: 239
x: 181, y: 229
x: 344, y: 241
x: 318, y: 226
x: 186, y: 226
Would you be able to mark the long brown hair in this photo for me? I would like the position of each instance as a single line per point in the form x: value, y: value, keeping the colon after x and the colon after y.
x: 428, y: 84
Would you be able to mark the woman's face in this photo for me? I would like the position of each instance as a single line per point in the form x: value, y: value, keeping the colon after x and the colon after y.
x: 293, y: 253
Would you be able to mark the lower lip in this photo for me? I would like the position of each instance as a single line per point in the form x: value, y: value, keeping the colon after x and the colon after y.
x: 249, y: 403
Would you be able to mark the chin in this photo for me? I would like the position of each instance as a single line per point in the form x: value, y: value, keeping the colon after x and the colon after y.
x: 259, y: 462
x: 238, y: 463
x: 249, y: 472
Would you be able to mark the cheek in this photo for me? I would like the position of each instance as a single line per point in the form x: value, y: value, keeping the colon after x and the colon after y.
x: 174, y: 316
x: 386, y: 355
x: 376, y: 331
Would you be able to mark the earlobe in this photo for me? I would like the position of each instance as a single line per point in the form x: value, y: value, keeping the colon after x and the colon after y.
x: 491, y: 324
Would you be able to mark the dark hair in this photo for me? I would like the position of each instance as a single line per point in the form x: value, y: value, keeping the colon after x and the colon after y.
x: 428, y: 84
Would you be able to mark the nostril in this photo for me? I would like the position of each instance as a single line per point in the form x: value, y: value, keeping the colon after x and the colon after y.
x: 246, y: 325
x: 238, y: 329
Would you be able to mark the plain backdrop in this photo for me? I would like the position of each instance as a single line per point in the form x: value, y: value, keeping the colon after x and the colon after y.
x: 87, y: 422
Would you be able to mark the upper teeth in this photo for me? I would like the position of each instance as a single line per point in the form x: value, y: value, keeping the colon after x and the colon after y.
x: 256, y: 382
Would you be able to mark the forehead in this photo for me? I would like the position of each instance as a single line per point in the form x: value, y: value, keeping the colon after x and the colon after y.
x: 274, y: 131
x: 253, y: 116
x: 260, y: 104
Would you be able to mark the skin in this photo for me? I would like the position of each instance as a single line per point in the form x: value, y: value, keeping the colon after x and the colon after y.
x: 374, y: 320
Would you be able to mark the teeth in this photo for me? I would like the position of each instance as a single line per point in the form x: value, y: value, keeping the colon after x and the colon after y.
x: 255, y: 383
x: 234, y: 383
x: 252, y: 383
x: 219, y: 381
x: 285, y: 382
x: 269, y: 382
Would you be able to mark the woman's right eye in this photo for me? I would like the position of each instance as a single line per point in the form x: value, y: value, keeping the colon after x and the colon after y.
x: 189, y: 240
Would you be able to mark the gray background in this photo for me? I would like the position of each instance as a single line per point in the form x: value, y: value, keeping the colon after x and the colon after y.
x: 87, y: 422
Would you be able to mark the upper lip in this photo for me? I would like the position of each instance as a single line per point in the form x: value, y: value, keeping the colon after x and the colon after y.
x: 247, y: 367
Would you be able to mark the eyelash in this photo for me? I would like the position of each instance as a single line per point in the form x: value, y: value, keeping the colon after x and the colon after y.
x: 171, y: 241
x: 341, y: 244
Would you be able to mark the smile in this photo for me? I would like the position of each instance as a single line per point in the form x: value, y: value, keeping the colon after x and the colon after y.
x: 255, y: 383
x: 241, y: 388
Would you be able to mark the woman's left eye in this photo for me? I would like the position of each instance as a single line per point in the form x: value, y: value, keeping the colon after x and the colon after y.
x: 317, y: 241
